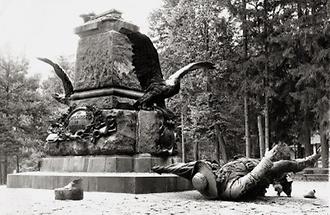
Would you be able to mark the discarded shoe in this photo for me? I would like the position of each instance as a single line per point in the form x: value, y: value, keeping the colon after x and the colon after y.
x: 72, y: 191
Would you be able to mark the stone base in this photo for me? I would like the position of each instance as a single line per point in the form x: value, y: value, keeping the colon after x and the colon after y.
x: 115, y: 163
x: 137, y: 183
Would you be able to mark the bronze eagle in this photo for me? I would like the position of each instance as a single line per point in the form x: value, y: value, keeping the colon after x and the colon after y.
x: 148, y: 71
x: 67, y: 84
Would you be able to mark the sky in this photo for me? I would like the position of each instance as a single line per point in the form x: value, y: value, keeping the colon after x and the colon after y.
x: 44, y: 28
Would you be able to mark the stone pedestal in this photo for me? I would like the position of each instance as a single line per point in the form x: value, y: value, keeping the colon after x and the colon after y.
x: 101, y: 138
x: 131, y: 132
x: 115, y: 163
x: 104, y: 61
x: 123, y: 174
x: 137, y: 183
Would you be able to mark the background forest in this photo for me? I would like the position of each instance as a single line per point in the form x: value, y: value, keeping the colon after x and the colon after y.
x: 271, y: 83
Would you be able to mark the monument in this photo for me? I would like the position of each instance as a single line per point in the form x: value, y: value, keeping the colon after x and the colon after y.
x: 104, y: 138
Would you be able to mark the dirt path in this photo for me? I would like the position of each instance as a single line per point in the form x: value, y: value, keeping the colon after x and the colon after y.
x: 30, y: 201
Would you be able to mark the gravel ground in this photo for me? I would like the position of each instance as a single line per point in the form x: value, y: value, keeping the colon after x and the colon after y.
x: 33, y: 201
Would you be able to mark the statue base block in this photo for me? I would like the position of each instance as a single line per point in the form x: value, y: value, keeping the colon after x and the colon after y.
x: 137, y: 183
x: 69, y: 194
x: 114, y: 163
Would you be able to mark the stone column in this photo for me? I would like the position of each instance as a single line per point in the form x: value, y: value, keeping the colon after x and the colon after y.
x: 104, y: 61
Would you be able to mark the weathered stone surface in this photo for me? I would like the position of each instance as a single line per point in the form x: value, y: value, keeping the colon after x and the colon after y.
x: 152, y: 135
x: 149, y: 123
x: 142, y: 163
x: 73, y: 147
x: 120, y: 142
x: 102, y: 163
x: 107, y: 102
x: 103, y: 24
x: 104, y: 60
x: 72, y: 191
x: 102, y: 182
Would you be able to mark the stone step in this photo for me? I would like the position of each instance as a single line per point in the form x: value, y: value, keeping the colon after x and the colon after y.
x: 316, y: 171
x: 115, y: 163
x: 311, y: 177
x: 102, y: 182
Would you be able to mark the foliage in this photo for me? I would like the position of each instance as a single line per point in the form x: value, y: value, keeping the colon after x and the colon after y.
x: 287, y: 59
x: 193, y: 31
x: 22, y: 110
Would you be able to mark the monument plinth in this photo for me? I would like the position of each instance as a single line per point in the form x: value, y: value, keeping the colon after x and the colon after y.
x: 104, y: 61
x: 102, y: 138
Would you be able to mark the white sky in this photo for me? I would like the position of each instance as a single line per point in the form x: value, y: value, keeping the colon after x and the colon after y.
x: 44, y: 28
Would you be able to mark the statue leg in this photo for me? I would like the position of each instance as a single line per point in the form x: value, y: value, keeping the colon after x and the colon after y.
x: 184, y: 170
x: 284, y: 166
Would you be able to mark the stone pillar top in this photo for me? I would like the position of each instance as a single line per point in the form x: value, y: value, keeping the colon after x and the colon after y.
x: 106, y: 21
x: 104, y: 55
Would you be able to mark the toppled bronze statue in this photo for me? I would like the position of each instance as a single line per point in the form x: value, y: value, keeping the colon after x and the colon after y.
x: 72, y: 191
x: 244, y: 178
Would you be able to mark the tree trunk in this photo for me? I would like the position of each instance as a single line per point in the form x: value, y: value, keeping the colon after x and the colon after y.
x: 324, y: 150
x: 324, y: 128
x: 183, y: 150
x: 261, y: 137
x: 196, y: 150
x: 221, y: 147
x: 246, y: 100
x: 305, y: 136
x: 266, y: 124
x: 247, y: 129
x: 183, y: 110
x: 267, y: 146
x: 5, y: 169
x: 1, y: 177
x: 17, y: 164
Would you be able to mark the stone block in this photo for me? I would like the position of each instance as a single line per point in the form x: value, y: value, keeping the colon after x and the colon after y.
x: 116, y: 184
x: 142, y: 163
x: 106, y: 102
x: 121, y: 141
x: 72, y: 147
x: 45, y: 164
x: 111, y: 164
x: 79, y: 163
x: 183, y: 184
x: 161, y: 161
x: 101, y: 182
x: 124, y: 164
x: 67, y: 164
x: 57, y: 164
x: 145, y: 184
x: 104, y: 60
x: 148, y: 131
x: 102, y: 24
x: 96, y: 164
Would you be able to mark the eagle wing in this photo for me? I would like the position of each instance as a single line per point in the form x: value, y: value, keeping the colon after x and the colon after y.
x: 190, y: 67
x: 67, y: 85
x: 145, y: 59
